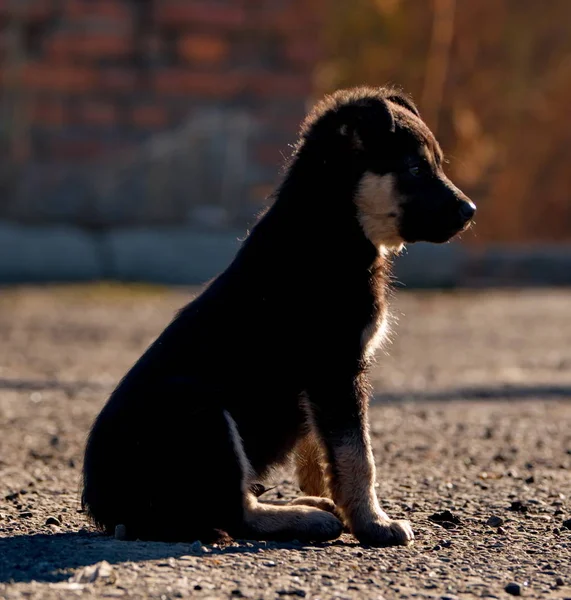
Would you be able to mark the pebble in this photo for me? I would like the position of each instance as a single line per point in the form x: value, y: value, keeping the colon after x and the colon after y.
x: 99, y: 571
x: 445, y: 518
x: 53, y: 521
x: 513, y: 588
x: 120, y: 532
x: 566, y: 524
x: 495, y: 521
x: 197, y: 547
x: 559, y: 581
x: 518, y: 506
x: 292, y: 592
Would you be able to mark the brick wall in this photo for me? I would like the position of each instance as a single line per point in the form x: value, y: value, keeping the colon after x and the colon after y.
x: 87, y: 85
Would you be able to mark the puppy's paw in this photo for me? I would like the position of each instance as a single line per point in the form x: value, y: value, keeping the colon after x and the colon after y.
x: 325, y: 504
x: 324, y: 527
x: 386, y: 533
x: 317, y: 502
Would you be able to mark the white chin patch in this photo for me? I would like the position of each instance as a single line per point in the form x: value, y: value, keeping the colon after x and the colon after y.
x: 378, y: 209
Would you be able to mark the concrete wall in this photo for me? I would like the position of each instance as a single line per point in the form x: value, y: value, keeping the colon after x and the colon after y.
x: 179, y: 255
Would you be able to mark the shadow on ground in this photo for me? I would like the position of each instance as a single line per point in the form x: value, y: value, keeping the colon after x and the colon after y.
x: 508, y: 392
x: 501, y: 392
x: 50, y: 557
x: 32, y: 385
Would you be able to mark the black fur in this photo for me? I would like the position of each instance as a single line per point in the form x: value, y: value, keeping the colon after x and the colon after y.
x: 285, y: 319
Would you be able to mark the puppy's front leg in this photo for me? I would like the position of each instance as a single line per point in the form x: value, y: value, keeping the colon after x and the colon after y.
x: 340, y: 414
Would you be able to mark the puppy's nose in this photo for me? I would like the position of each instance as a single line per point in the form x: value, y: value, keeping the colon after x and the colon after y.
x: 467, y: 210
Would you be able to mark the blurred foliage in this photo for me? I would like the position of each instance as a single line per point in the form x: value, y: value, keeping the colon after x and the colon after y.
x: 493, y: 79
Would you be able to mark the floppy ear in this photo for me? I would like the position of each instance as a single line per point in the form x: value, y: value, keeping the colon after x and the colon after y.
x: 366, y: 120
x: 404, y: 101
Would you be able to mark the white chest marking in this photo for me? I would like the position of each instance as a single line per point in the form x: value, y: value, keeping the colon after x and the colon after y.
x: 373, y: 336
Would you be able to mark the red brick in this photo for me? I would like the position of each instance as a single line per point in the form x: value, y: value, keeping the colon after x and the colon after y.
x: 301, y: 52
x: 49, y: 113
x: 66, y: 46
x: 286, y: 21
x: 119, y: 80
x: 58, y: 78
x: 282, y: 85
x: 77, y: 150
x: 98, y: 113
x: 202, y: 48
x: 111, y: 10
x: 149, y: 116
x: 181, y: 13
x: 31, y: 11
x: 215, y: 85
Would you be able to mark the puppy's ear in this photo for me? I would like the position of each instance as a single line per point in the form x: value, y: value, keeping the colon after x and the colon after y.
x: 365, y: 121
x: 404, y: 101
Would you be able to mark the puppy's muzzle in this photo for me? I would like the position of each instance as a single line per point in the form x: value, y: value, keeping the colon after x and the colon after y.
x: 467, y: 211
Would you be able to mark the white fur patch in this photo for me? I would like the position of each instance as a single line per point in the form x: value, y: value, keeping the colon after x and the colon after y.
x: 245, y: 464
x: 373, y: 336
x: 378, y: 208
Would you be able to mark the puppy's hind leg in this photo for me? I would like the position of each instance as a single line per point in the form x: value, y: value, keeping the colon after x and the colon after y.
x: 309, y: 466
x: 310, y: 470
x: 275, y: 522
x: 304, y: 523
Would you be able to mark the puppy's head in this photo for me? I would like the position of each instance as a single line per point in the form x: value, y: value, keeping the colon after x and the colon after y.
x: 402, y: 193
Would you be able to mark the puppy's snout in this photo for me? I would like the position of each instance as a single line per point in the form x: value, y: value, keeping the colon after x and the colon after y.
x: 467, y: 210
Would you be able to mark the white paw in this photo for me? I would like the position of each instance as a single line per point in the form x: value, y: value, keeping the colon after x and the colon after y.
x: 385, y: 533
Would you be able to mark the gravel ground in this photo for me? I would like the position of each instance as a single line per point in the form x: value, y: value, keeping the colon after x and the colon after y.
x: 472, y: 435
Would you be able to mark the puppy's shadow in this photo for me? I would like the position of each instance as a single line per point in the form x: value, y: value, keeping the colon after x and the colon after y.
x: 51, y: 557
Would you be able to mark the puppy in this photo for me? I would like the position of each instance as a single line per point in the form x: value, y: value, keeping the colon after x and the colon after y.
x: 271, y: 359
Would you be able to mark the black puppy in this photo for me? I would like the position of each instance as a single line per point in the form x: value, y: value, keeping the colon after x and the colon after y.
x: 272, y: 357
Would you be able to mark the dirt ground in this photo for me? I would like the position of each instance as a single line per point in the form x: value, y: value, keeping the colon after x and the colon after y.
x: 472, y: 416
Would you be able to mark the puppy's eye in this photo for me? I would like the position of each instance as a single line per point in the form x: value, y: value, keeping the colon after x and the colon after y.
x: 414, y: 170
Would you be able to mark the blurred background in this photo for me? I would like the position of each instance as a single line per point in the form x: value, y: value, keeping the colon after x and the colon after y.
x: 139, y: 138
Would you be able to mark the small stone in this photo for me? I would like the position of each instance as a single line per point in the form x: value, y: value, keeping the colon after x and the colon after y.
x: 513, y: 588
x: 101, y: 571
x: 530, y: 479
x: 53, y: 521
x: 494, y: 521
x: 566, y: 524
x: 446, y: 519
x: 559, y: 582
x: 437, y: 547
x: 269, y: 563
x: 501, y: 531
x: 197, y: 547
x: 518, y: 506
x: 25, y: 515
x: 120, y: 532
